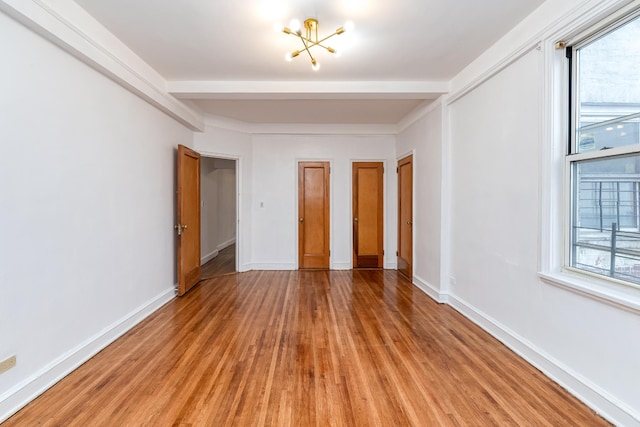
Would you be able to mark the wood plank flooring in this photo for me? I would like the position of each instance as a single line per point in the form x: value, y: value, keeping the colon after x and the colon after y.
x: 303, y: 348
x: 224, y: 263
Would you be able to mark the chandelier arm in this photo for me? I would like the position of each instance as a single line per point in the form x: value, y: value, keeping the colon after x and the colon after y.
x: 313, y: 43
x: 321, y: 45
x: 306, y: 47
x: 326, y: 38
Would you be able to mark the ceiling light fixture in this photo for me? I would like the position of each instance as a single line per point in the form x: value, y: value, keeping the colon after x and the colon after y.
x: 310, y: 38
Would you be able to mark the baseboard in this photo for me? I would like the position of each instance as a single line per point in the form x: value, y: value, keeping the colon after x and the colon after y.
x: 391, y: 265
x: 226, y: 244
x: 430, y: 290
x: 211, y: 255
x: 341, y: 266
x: 26, y: 391
x: 274, y: 266
x: 592, y: 395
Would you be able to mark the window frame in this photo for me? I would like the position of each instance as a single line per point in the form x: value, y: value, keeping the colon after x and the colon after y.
x: 572, y: 155
x: 555, y: 203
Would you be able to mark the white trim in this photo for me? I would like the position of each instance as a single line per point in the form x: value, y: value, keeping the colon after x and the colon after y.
x: 243, y: 268
x: 299, y: 128
x: 604, y: 290
x: 561, y: 28
x: 430, y: 290
x: 208, y: 257
x: 445, y: 200
x: 391, y: 265
x: 30, y: 388
x: 591, y: 394
x: 272, y: 266
x: 418, y: 113
x: 321, y: 129
x: 341, y: 266
x: 227, y: 123
x: 92, y: 44
x: 314, y: 89
x: 226, y: 244
x: 510, y: 59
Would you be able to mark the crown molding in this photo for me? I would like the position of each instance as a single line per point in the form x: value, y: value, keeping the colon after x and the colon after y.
x: 323, y: 129
x: 298, y: 128
x: 71, y: 28
x: 418, y: 113
x: 526, y: 37
x: 227, y: 123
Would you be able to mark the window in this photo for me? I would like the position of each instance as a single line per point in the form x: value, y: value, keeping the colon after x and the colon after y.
x: 603, y: 158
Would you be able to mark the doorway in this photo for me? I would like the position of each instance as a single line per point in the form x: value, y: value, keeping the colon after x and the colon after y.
x: 218, y: 177
x: 313, y: 215
x: 405, y: 216
x: 368, y: 203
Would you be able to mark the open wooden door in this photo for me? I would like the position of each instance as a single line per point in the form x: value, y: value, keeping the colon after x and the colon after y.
x: 405, y: 217
x: 368, y: 200
x: 188, y: 226
x: 313, y: 215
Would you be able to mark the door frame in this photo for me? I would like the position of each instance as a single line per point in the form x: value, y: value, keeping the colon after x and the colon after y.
x: 385, y: 213
x: 404, y: 155
x: 240, y: 265
x: 294, y: 218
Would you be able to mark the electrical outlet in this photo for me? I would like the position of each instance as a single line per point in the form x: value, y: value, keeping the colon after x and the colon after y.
x: 7, y: 364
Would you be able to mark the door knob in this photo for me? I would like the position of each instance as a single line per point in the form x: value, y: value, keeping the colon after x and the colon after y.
x: 180, y: 228
x: 355, y: 219
x: 301, y: 219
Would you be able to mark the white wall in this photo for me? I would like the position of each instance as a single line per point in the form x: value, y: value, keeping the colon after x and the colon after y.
x: 424, y: 139
x: 209, y: 208
x: 220, y: 142
x: 226, y: 207
x: 496, y: 136
x: 87, y: 189
x: 275, y: 218
x: 218, y: 210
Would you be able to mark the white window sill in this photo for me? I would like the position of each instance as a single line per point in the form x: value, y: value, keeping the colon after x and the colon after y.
x: 610, y: 292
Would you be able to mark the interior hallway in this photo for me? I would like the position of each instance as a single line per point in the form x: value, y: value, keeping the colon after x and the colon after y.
x: 223, y: 263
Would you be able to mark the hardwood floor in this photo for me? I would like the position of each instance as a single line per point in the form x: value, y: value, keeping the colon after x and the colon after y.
x: 224, y: 263
x: 300, y: 348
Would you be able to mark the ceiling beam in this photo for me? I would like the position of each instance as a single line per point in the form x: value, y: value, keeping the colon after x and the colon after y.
x: 277, y: 90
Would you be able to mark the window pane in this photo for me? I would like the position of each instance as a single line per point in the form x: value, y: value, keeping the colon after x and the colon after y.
x: 608, y: 106
x: 605, y: 236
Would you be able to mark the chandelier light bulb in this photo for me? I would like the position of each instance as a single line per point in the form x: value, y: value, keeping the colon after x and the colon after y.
x: 348, y: 26
x: 288, y: 57
x: 294, y: 25
x: 315, y: 65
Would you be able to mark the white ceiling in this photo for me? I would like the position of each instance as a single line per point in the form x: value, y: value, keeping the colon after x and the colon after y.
x: 215, y: 46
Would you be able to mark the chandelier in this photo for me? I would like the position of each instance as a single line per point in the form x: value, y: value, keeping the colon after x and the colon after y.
x: 310, y: 38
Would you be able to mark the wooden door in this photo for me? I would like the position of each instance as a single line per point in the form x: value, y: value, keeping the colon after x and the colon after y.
x: 313, y: 215
x: 405, y: 216
x: 368, y: 200
x: 188, y: 226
